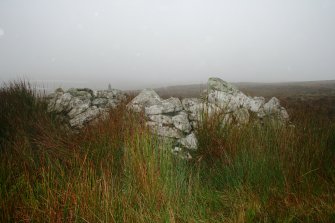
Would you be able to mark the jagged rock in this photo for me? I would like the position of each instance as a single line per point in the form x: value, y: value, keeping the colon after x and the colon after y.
x: 163, y: 119
x: 111, y: 103
x: 82, y: 118
x: 59, y: 90
x: 170, y: 105
x: 100, y: 102
x: 198, y: 109
x: 181, y: 122
x: 146, y: 98
x: 231, y: 100
x: 83, y: 105
x: 272, y: 106
x: 81, y: 93
x: 274, y: 110
x: 78, y: 106
x: 162, y: 113
x: 166, y: 118
x: 115, y: 94
x: 171, y: 119
x: 189, y: 142
x: 256, y: 104
x: 225, y: 95
x: 217, y: 84
x: 165, y: 131
x: 53, y: 99
x: 62, y: 103
x: 194, y: 107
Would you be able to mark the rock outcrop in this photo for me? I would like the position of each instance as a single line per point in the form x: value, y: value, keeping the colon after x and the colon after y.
x: 82, y: 105
x: 233, y: 105
x: 177, y: 120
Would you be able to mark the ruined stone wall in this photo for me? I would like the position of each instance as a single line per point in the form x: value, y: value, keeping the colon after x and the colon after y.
x: 171, y: 118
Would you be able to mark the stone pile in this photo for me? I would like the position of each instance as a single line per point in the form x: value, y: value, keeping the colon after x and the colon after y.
x: 172, y: 119
x: 82, y: 105
x: 177, y: 120
x: 233, y: 105
x: 168, y: 119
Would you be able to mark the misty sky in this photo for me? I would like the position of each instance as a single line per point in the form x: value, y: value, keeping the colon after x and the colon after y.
x: 148, y: 43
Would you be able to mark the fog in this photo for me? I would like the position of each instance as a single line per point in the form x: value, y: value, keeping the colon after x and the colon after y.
x: 149, y: 43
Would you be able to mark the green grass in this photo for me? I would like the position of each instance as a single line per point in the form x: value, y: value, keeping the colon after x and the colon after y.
x: 116, y: 171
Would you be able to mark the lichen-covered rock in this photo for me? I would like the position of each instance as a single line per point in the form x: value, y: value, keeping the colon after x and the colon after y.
x: 272, y: 106
x: 181, y: 122
x: 256, y: 104
x: 146, y: 98
x: 231, y: 100
x: 230, y: 105
x: 166, y: 118
x: 189, y: 142
x: 81, y: 93
x: 84, y: 117
x: 78, y: 106
x: 194, y: 107
x: 170, y: 105
x: 165, y: 131
x: 62, y: 102
x: 82, y: 105
x: 161, y: 119
x: 275, y: 111
x: 170, y: 119
x: 217, y: 84
x: 114, y: 96
x: 100, y: 102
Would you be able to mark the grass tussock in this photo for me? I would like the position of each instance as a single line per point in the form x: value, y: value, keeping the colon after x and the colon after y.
x: 116, y: 171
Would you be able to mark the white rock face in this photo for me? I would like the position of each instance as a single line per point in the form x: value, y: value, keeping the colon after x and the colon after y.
x: 256, y: 104
x: 82, y: 105
x: 181, y: 122
x: 275, y: 111
x: 146, y: 98
x: 101, y: 102
x: 161, y: 119
x: 194, y: 107
x: 166, y: 131
x: 78, y: 106
x: 225, y: 99
x: 62, y: 103
x: 190, y: 142
x: 217, y: 84
x: 170, y: 105
x: 84, y: 117
x: 166, y: 118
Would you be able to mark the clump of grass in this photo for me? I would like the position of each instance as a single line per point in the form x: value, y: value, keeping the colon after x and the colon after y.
x: 19, y: 110
x: 282, y: 168
x: 116, y: 171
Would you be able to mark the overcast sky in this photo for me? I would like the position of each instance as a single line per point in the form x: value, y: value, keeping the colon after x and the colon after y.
x: 148, y: 43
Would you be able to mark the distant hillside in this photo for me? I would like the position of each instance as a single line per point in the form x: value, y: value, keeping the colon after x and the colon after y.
x: 285, y: 89
x: 290, y: 89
